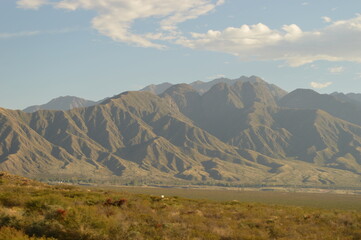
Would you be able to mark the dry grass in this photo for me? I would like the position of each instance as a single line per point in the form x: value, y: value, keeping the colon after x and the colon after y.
x: 62, y: 212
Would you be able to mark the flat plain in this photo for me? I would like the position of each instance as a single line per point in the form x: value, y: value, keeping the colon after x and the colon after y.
x: 323, y: 200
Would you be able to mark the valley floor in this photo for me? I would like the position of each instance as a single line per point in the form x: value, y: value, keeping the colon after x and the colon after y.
x: 306, y: 197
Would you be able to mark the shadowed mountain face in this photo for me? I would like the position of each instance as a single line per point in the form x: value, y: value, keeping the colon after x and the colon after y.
x: 61, y: 103
x: 244, y: 132
x: 348, y: 110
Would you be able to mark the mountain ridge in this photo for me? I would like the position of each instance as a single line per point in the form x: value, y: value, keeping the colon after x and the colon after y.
x: 246, y: 132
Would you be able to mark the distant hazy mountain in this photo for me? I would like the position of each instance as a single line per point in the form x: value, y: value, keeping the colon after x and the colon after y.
x: 244, y: 132
x: 157, y: 89
x: 203, y: 87
x: 348, y: 97
x: 61, y: 103
x: 308, y: 99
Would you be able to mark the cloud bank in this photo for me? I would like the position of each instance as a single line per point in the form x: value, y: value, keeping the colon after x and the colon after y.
x: 115, y: 17
x: 337, y: 41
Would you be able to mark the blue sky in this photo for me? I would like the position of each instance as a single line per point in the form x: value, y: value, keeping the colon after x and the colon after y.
x: 98, y: 48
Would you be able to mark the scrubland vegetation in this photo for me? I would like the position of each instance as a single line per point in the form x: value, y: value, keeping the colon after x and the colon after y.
x: 32, y: 210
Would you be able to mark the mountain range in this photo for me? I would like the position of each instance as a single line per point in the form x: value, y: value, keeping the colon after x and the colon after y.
x: 241, y: 131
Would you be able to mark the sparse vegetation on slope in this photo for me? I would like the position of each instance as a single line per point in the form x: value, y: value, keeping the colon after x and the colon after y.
x: 31, y: 210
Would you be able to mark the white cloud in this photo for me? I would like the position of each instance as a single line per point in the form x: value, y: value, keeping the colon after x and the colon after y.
x: 31, y: 4
x: 336, y: 69
x: 305, y: 3
x: 18, y: 34
x: 216, y: 76
x: 326, y: 19
x: 115, y: 17
x: 320, y: 85
x: 338, y: 41
x: 35, y: 33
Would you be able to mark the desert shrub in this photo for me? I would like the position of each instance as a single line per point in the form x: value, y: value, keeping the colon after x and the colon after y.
x: 8, y: 233
x: 74, y: 194
x: 36, y: 205
x: 57, y: 230
x: 11, y: 199
x: 8, y: 221
x: 44, y: 228
x: 356, y: 235
x: 41, y: 192
x: 55, y: 212
x: 92, y: 200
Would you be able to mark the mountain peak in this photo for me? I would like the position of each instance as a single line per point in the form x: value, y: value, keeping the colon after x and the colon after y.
x: 304, y: 91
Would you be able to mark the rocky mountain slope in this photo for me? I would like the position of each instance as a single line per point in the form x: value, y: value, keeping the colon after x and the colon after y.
x: 247, y: 132
x: 308, y: 99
